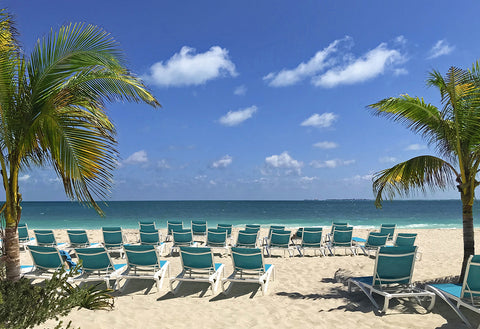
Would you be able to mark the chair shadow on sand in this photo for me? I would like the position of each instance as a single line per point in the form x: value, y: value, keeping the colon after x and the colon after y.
x: 357, y: 302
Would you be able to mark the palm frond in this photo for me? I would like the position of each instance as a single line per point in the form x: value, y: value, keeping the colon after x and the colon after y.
x: 417, y: 174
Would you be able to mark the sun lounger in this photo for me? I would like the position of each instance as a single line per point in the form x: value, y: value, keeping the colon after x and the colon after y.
x: 79, y: 239
x: 198, y: 266
x: 388, y: 229
x: 182, y: 238
x: 147, y: 226
x: 465, y: 294
x: 279, y: 240
x: 375, y: 240
x: 23, y: 237
x: 46, y: 238
x: 217, y: 238
x: 247, y: 239
x: 311, y: 239
x: 342, y: 239
x: 199, y: 227
x: 405, y: 239
x: 113, y: 239
x: 97, y: 266
x: 173, y: 225
x: 248, y: 266
x: 392, y: 277
x: 46, y: 260
x: 144, y: 263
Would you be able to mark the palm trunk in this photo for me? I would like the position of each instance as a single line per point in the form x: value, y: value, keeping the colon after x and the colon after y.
x: 468, y: 235
x: 12, y: 253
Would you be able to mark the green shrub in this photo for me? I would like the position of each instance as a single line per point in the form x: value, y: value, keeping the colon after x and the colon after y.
x: 24, y: 305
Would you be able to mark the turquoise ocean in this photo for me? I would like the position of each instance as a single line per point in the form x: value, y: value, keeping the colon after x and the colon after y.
x: 360, y: 213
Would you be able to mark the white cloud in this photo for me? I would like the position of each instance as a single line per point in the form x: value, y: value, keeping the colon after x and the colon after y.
x: 233, y: 118
x: 324, y: 120
x: 284, y: 161
x: 326, y: 145
x: 223, y: 162
x: 240, y: 90
x: 163, y: 164
x: 359, y: 178
x: 387, y: 159
x: 306, y: 179
x: 137, y: 158
x: 400, y: 71
x: 440, y: 48
x: 415, y: 147
x: 314, y: 65
x: 24, y: 178
x: 331, y: 163
x: 187, y: 68
x: 369, y: 66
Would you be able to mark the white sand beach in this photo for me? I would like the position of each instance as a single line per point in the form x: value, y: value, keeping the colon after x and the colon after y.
x: 308, y: 292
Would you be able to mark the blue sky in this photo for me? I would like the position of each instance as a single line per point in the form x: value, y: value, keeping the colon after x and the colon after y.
x: 262, y: 99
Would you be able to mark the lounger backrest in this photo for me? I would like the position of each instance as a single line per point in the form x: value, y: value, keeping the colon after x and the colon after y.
x: 149, y: 238
x: 23, y: 233
x: 147, y: 226
x: 471, y: 283
x: 46, y: 257
x: 275, y: 228
x: 342, y: 236
x: 174, y: 226
x: 112, y: 236
x: 94, y: 259
x: 280, y: 239
x: 312, y: 238
x: 182, y: 237
x: 78, y: 237
x: 405, y: 239
x: 216, y: 237
x: 45, y: 237
x: 388, y: 229
x: 394, y: 265
x: 143, y: 255
x: 227, y: 227
x: 199, y: 226
x: 257, y: 226
x: 196, y: 258
x: 247, y: 259
x: 376, y: 239
x: 251, y: 230
x: 247, y: 239
x: 338, y: 225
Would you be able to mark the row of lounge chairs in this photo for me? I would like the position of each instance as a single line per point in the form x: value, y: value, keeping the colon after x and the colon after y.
x: 143, y: 262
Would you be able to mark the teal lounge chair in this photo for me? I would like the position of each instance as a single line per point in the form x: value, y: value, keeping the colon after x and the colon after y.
x: 152, y: 238
x: 113, y: 239
x: 147, y: 226
x: 143, y: 262
x: 182, y: 238
x: 46, y: 261
x: 270, y: 230
x: 248, y: 266
x: 46, y: 238
x: 23, y: 237
x: 79, y: 239
x: 247, y: 239
x: 335, y: 225
x: 253, y: 226
x: 198, y: 266
x: 311, y: 239
x: 388, y: 229
x: 342, y: 239
x: 217, y: 238
x: 375, y: 240
x: 465, y: 294
x: 173, y: 225
x: 199, y: 227
x: 98, y: 266
x: 392, y: 277
x: 226, y: 227
x: 405, y: 239
x: 279, y: 240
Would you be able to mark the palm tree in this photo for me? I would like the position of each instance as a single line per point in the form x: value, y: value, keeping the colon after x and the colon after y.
x: 454, y: 131
x: 53, y: 112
